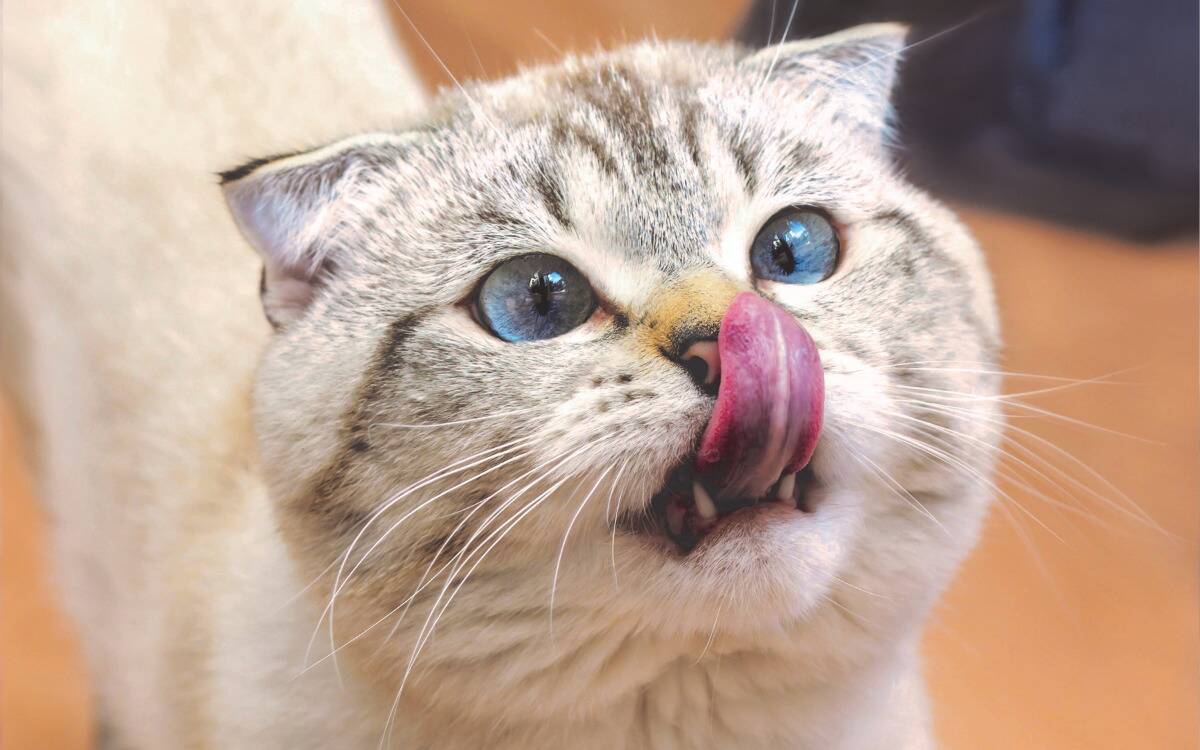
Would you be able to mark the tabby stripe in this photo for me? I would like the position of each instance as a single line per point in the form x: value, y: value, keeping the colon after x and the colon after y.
x: 743, y: 158
x: 549, y: 186
x: 566, y: 134
x: 324, y: 498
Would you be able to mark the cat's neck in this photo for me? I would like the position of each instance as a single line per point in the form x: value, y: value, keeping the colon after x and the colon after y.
x: 726, y: 702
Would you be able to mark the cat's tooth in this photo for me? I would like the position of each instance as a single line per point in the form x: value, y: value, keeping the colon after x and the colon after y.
x: 787, y: 487
x: 704, y: 503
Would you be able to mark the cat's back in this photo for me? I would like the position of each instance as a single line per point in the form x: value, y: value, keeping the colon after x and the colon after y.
x: 130, y: 316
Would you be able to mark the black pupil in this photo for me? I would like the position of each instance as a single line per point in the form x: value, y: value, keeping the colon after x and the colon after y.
x: 543, y: 286
x: 781, y: 253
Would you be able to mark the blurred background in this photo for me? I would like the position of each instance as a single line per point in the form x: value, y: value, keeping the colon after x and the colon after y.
x: 1065, y: 133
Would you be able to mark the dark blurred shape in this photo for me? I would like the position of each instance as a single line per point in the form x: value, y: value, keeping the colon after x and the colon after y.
x: 1080, y: 111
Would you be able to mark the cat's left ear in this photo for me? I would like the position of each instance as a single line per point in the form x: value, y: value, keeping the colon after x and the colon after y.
x: 292, y: 209
x: 857, y: 65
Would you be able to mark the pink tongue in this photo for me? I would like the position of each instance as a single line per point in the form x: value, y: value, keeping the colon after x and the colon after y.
x: 769, y: 405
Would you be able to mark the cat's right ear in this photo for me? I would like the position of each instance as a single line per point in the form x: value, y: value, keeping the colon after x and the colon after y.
x: 292, y: 207
x: 859, y: 64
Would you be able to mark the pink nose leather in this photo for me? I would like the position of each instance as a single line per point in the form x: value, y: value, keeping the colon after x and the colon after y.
x: 770, y: 402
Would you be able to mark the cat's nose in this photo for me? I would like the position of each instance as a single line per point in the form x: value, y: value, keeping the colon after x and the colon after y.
x: 702, y: 360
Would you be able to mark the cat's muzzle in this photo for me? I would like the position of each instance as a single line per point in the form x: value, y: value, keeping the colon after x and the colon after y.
x: 764, y: 427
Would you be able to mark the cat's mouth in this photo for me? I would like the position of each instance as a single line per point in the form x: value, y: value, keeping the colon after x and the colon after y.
x: 686, y: 510
x: 754, y: 453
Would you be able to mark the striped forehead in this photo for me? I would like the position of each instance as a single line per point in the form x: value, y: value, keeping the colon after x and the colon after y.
x: 635, y: 166
x: 607, y: 165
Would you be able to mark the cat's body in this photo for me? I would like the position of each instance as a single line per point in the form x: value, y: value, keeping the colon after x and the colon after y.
x: 132, y: 322
x: 185, y: 557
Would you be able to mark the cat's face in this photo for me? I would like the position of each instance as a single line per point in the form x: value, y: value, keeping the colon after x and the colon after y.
x: 512, y: 341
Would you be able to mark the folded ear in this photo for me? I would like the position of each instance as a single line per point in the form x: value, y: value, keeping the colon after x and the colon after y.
x: 291, y: 209
x: 858, y: 65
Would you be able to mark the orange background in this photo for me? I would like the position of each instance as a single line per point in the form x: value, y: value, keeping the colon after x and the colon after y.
x: 1070, y: 627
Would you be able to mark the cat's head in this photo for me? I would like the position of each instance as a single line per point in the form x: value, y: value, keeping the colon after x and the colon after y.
x: 544, y: 361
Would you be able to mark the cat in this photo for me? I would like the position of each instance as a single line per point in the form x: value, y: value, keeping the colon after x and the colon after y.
x: 587, y: 406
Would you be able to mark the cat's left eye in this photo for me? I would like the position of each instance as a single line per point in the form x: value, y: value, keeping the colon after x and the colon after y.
x: 535, y: 296
x: 797, y: 246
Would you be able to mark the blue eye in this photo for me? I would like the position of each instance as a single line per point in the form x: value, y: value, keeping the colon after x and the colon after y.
x: 797, y: 246
x: 535, y: 296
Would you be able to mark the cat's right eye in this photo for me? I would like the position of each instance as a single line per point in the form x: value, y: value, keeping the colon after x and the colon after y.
x: 532, y: 297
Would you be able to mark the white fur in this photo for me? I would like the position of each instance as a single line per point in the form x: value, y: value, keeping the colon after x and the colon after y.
x: 138, y: 296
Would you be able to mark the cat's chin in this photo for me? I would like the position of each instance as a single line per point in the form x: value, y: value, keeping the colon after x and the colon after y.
x: 776, y: 560
x: 777, y: 556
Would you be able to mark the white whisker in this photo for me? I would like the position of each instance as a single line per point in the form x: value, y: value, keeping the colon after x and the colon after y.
x: 787, y: 27
x: 712, y: 634
x: 541, y: 35
x: 1011, y: 478
x: 900, y: 490
x: 464, y: 556
x: 1008, y: 430
x: 496, y: 536
x: 858, y: 619
x: 340, y: 583
x: 479, y: 112
x: 454, y: 468
x: 566, y: 536
x: 844, y: 76
x: 614, y: 518
x: 472, y: 420
x: 1007, y: 374
x: 924, y: 424
x: 426, y: 579
x: 846, y: 583
x: 969, y: 470
x: 557, y: 459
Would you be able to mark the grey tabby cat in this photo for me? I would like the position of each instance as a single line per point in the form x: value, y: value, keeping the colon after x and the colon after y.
x: 548, y: 375
x: 590, y: 419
